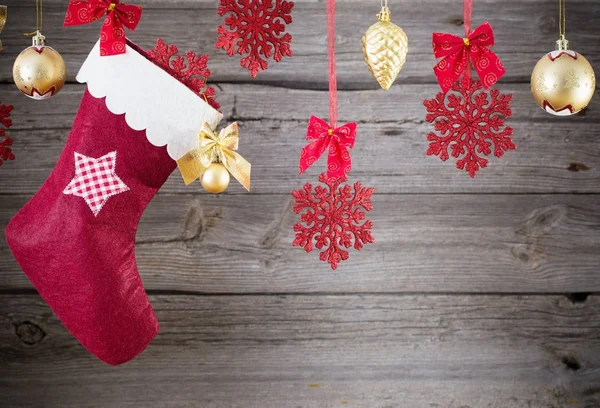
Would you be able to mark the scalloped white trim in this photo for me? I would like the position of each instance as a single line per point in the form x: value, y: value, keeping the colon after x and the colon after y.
x: 151, y: 99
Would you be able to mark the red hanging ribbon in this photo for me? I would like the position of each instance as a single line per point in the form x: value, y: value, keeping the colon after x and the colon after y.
x: 459, y: 52
x: 337, y: 139
x: 112, y: 34
x: 333, y: 103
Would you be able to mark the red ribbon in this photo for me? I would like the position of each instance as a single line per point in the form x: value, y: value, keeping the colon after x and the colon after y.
x: 112, y: 34
x: 333, y: 103
x: 459, y: 52
x: 338, y: 140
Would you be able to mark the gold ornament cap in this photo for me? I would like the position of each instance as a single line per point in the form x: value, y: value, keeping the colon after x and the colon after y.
x: 385, y: 46
x: 38, y: 40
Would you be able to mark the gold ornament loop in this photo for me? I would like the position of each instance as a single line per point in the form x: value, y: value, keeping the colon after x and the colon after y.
x: 111, y: 7
x: 466, y: 41
x: 215, y: 148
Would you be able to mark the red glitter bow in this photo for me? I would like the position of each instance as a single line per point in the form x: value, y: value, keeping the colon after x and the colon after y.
x: 338, y: 140
x: 112, y: 34
x: 458, y: 51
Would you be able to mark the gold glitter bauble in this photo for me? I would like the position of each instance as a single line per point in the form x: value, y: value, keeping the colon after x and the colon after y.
x: 39, y: 71
x: 215, y: 179
x: 385, y: 47
x: 563, y: 82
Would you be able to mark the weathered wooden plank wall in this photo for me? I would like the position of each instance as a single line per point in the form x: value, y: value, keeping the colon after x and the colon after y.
x: 478, y: 293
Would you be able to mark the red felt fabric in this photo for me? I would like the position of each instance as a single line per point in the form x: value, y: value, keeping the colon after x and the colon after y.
x: 84, y: 265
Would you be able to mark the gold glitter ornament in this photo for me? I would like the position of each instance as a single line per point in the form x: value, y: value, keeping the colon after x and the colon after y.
x: 563, y: 81
x: 385, y: 46
x: 39, y: 71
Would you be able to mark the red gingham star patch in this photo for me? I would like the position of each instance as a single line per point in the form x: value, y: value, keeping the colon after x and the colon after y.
x: 95, y: 180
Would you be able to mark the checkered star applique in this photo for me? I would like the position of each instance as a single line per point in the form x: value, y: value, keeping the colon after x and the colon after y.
x: 95, y: 180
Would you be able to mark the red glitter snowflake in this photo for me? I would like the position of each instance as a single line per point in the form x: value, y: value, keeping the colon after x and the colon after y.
x: 5, y: 142
x: 332, y: 218
x: 469, y: 122
x: 256, y: 27
x: 194, y: 75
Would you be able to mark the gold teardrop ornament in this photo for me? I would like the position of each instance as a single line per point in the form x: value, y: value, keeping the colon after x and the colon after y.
x: 385, y: 47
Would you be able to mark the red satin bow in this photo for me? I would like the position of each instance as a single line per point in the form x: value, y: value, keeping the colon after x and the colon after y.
x: 457, y: 52
x: 112, y: 34
x: 338, y: 140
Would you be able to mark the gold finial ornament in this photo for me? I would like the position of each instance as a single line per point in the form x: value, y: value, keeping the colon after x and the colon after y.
x: 563, y: 81
x: 385, y: 46
x: 3, y: 13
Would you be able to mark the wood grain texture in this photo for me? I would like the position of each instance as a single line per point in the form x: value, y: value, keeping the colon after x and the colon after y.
x: 424, y: 243
x: 458, y: 304
x: 524, y: 31
x: 318, y: 352
x: 389, y: 154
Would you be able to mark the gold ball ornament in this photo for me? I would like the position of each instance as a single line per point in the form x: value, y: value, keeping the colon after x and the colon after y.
x: 563, y: 82
x: 385, y: 46
x: 39, y: 71
x: 215, y: 179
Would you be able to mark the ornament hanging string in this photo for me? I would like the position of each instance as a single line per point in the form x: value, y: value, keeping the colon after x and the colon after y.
x: 39, y: 21
x: 562, y: 24
x: 467, y: 11
x: 333, y: 101
x: 562, y: 43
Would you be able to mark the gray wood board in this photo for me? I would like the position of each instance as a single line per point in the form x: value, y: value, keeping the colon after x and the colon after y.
x: 424, y: 243
x: 553, y: 155
x: 318, y: 352
x: 524, y: 31
x: 458, y: 304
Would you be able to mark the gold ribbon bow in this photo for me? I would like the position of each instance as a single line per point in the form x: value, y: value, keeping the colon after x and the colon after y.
x: 3, y: 13
x: 213, y: 147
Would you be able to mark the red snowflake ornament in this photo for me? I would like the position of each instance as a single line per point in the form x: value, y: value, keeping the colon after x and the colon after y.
x: 469, y: 122
x: 5, y: 141
x: 193, y: 75
x: 332, y: 218
x: 256, y: 27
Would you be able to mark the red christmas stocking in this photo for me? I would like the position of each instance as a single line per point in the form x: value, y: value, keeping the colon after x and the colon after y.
x: 75, y: 238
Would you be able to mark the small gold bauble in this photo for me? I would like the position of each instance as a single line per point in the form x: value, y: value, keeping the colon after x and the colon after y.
x: 385, y: 47
x: 215, y: 179
x: 39, y: 71
x: 563, y: 82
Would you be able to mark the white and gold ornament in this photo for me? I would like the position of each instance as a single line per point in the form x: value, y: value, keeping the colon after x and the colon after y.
x: 385, y: 46
x: 563, y: 81
x: 39, y: 71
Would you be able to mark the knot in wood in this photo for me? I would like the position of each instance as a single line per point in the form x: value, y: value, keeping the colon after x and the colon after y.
x: 29, y: 333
